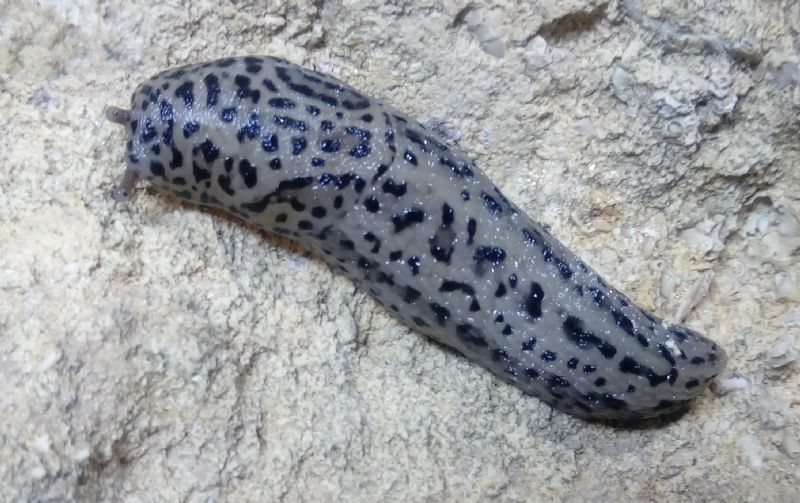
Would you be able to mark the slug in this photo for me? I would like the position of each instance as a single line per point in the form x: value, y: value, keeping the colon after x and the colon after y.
x: 415, y: 223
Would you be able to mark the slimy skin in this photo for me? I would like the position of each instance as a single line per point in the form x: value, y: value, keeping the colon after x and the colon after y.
x: 413, y: 222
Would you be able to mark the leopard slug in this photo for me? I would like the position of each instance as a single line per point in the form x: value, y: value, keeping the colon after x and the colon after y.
x: 415, y: 223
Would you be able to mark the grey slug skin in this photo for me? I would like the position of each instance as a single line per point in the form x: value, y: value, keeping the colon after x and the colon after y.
x: 416, y: 224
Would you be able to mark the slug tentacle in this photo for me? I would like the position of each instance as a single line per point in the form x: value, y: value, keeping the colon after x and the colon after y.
x: 123, y: 191
x: 118, y: 115
x: 415, y: 223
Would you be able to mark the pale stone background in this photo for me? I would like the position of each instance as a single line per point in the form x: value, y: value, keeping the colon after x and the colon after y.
x: 155, y: 352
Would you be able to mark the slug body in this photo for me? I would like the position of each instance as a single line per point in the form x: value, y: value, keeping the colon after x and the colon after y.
x: 416, y: 224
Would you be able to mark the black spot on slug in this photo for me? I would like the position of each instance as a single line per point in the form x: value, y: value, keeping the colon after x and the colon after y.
x: 328, y: 100
x: 472, y: 226
x: 411, y: 295
x: 409, y: 217
x: 227, y: 114
x: 397, y: 190
x: 491, y: 254
x: 362, y: 149
x: 575, y: 333
x: 190, y: 128
x: 330, y: 145
x: 442, y: 313
x: 269, y: 85
x: 533, y: 301
x: 548, y: 356
x: 471, y: 335
x: 623, y: 322
x: 447, y: 215
x: 558, y: 382
x: 298, y: 145
x: 630, y: 366
x: 382, y: 168
x: 248, y: 172
x: 186, y: 92
x: 372, y: 205
x: 413, y: 264
x: 450, y: 285
x: 270, y: 143
x: 157, y: 168
x: 490, y: 203
x: 281, y: 103
x: 210, y: 151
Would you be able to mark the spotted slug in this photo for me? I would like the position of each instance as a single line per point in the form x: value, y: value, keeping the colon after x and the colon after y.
x: 413, y: 221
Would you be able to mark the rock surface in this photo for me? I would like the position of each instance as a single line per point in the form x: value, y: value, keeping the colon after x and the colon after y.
x: 151, y: 351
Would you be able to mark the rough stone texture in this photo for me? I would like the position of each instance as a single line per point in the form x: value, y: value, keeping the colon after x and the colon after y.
x: 155, y: 352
